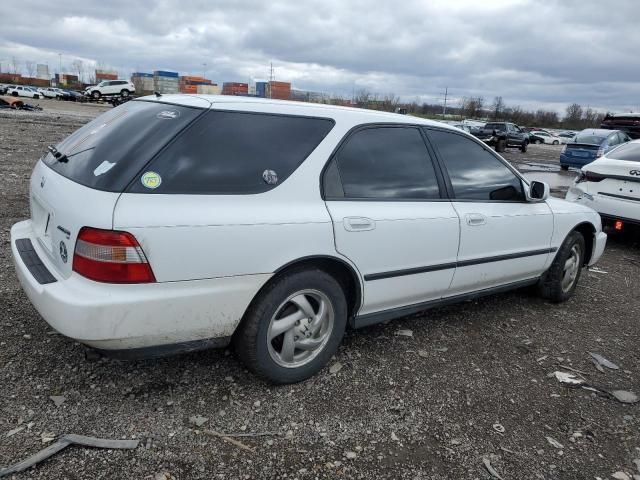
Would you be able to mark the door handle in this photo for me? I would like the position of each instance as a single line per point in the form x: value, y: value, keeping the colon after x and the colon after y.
x: 358, y: 224
x: 475, y: 219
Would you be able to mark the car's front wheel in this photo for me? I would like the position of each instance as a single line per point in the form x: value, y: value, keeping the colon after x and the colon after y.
x: 559, y: 282
x: 124, y: 93
x: 556, y: 142
x: 293, y: 327
x: 95, y: 94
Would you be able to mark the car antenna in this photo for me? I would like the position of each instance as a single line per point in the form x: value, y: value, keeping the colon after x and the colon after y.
x: 157, y: 94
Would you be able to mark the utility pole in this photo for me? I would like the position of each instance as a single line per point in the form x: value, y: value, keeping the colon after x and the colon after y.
x: 270, y: 78
x: 444, y: 106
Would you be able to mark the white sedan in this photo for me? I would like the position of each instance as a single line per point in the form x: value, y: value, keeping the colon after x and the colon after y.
x: 538, y: 136
x: 22, y: 91
x: 611, y: 186
x: 194, y: 234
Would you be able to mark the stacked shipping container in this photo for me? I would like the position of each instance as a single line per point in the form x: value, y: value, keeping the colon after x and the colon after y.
x: 143, y: 82
x: 209, y: 89
x: 106, y: 75
x: 166, y: 82
x: 279, y: 90
x: 235, y: 88
x: 189, y: 84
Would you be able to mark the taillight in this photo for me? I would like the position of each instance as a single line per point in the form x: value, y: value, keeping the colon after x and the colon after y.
x: 111, y: 256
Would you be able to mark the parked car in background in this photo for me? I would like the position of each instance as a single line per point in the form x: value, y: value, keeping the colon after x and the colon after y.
x: 567, y: 135
x: 50, y: 92
x: 4, y: 88
x: 540, y: 136
x: 189, y: 239
x: 611, y: 186
x: 124, y: 88
x: 628, y: 123
x: 588, y: 145
x: 23, y: 91
x: 503, y: 135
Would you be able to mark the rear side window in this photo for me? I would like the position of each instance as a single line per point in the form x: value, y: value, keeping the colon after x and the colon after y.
x: 108, y: 152
x: 383, y: 163
x: 474, y: 172
x: 628, y: 151
x: 235, y: 153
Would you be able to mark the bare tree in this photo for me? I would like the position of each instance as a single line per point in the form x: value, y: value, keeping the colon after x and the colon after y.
x: 497, y: 108
x: 78, y: 68
x: 363, y: 98
x: 573, y: 116
x: 14, y: 65
x: 31, y: 68
x: 472, y: 106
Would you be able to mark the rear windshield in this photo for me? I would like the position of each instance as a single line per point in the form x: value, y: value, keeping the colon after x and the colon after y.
x: 627, y: 151
x: 233, y: 153
x: 108, y: 152
x: 587, y: 138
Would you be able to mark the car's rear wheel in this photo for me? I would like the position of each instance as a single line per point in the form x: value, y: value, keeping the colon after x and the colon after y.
x: 95, y: 94
x: 559, y: 282
x: 501, y: 145
x: 556, y: 142
x: 564, y: 167
x: 537, y: 142
x: 124, y: 93
x: 293, y: 327
x: 523, y: 147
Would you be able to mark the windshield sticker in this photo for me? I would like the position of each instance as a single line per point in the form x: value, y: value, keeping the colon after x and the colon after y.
x: 270, y: 177
x: 168, y: 114
x: 104, y: 167
x: 151, y: 180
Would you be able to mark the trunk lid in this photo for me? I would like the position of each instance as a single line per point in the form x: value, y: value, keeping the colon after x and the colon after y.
x: 616, y: 179
x: 581, y: 150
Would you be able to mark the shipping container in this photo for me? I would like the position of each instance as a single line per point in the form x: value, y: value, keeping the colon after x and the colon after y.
x: 165, y: 73
x: 209, y: 89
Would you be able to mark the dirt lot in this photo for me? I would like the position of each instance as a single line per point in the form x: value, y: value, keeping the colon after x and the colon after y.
x: 473, y: 382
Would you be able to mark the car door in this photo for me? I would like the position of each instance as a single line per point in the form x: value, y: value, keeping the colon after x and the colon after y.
x: 503, y: 238
x: 383, y: 192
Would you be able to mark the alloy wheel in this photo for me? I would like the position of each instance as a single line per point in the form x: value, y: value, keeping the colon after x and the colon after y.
x: 300, y: 328
x: 571, y: 268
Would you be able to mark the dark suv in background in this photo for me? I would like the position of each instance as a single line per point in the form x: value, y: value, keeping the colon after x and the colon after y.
x: 503, y: 135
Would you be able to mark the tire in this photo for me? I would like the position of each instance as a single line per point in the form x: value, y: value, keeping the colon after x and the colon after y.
x: 523, y: 147
x: 280, y: 299
x: 537, y: 142
x: 36, y: 97
x: 14, y: 94
x: 559, y: 282
x: 96, y: 94
x: 556, y: 142
x: 501, y: 145
x: 124, y: 93
x: 564, y: 167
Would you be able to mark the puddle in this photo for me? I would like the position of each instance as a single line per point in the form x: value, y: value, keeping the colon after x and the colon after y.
x: 558, y: 181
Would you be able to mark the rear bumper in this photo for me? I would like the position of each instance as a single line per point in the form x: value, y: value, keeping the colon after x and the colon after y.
x: 567, y: 161
x: 144, y: 316
x: 610, y: 208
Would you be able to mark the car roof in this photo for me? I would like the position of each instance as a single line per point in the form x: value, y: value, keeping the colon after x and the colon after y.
x: 597, y: 132
x: 288, y: 107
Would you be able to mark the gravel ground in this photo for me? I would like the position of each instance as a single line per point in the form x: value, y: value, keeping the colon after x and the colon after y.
x: 471, y: 383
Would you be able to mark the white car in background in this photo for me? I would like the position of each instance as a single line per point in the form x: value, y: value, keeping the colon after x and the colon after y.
x: 611, y: 186
x: 194, y: 234
x: 22, y: 91
x: 50, y: 92
x: 546, y: 138
x: 108, y: 88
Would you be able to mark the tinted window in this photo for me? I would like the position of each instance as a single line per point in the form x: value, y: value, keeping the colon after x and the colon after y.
x: 231, y: 152
x: 628, y: 151
x: 495, y: 126
x: 108, y: 152
x: 386, y: 162
x: 475, y: 173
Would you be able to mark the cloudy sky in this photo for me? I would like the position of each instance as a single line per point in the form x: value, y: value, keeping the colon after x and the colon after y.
x: 537, y: 54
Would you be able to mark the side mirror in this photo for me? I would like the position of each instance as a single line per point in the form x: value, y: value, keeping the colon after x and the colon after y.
x: 538, y: 191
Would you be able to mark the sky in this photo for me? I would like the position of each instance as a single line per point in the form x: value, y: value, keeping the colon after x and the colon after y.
x: 536, y: 54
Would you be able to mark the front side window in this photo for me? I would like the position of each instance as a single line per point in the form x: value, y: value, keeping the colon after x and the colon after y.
x: 385, y: 163
x: 235, y: 153
x: 475, y: 173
